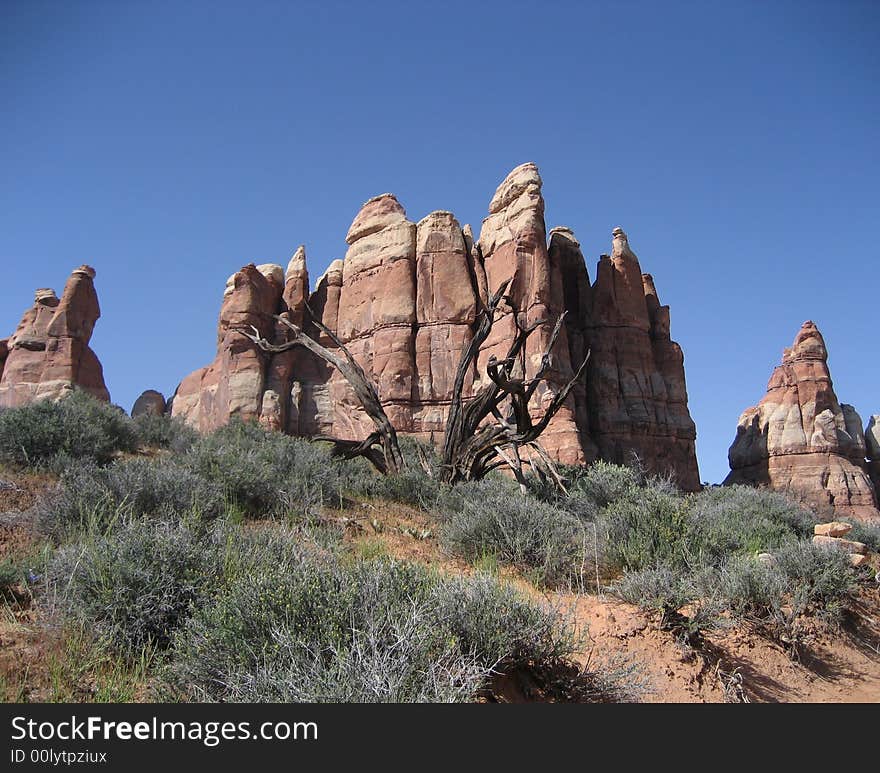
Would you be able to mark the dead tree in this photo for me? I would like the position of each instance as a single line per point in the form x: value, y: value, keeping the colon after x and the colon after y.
x: 479, y: 436
x: 387, y: 458
x: 488, y: 431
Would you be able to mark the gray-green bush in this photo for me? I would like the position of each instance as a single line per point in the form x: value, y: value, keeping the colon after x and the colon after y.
x: 492, y: 517
x: 138, y: 584
x: 76, y: 427
x: 292, y: 626
x: 867, y: 533
x: 95, y: 498
x: 271, y: 474
x: 164, y: 432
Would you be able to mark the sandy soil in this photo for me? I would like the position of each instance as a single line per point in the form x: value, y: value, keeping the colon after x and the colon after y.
x: 736, y: 664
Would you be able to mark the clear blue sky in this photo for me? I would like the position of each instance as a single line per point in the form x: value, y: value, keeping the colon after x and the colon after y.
x: 169, y: 143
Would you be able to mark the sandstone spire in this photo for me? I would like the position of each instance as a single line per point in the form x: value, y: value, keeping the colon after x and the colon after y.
x: 872, y: 448
x: 800, y: 438
x: 446, y: 309
x: 405, y: 300
x: 636, y: 393
x: 233, y: 384
x: 569, y: 269
x: 49, y: 352
x: 513, y: 245
x: 377, y: 311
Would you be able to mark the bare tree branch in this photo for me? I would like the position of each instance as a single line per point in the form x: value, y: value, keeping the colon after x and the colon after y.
x: 363, y: 388
x: 488, y: 431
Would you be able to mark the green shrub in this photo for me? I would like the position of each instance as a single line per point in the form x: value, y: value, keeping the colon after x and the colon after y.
x: 655, y: 589
x: 670, y: 594
x: 493, y: 517
x: 700, y: 551
x: 139, y: 583
x: 646, y: 531
x: 164, y: 432
x: 96, y: 498
x: 750, y: 588
x: 867, y: 533
x: 654, y: 526
x: 589, y: 489
x: 603, y: 483
x: 740, y: 519
x: 801, y: 579
x: 819, y: 580
x: 493, y: 622
x: 271, y: 474
x: 412, y: 487
x: 290, y: 625
x: 21, y: 570
x: 12, y: 573
x: 76, y: 427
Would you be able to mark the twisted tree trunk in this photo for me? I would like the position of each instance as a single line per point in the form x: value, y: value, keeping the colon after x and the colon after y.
x: 479, y: 436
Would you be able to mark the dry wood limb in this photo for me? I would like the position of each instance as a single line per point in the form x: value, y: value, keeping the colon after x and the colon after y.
x: 548, y: 465
x: 455, y: 418
x: 349, y: 449
x: 471, y: 451
x: 363, y: 388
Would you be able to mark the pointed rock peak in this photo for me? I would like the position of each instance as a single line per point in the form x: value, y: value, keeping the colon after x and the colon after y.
x: 439, y: 217
x: 85, y: 270
x: 376, y: 214
x: 273, y: 272
x: 46, y: 297
x: 872, y: 437
x: 471, y: 246
x: 333, y: 275
x: 620, y: 244
x: 648, y: 284
x: 389, y: 197
x: 520, y: 180
x: 297, y: 263
x: 808, y: 344
x: 268, y: 270
x: 565, y: 233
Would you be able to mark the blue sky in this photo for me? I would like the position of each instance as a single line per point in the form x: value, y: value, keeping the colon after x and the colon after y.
x: 169, y: 143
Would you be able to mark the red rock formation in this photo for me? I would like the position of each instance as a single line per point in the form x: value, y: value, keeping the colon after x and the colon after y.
x: 446, y: 309
x: 404, y: 301
x: 377, y: 311
x: 799, y: 438
x: 277, y: 404
x: 636, y: 395
x: 567, y: 263
x: 513, y: 245
x: 49, y: 353
x: 872, y: 448
x: 233, y: 384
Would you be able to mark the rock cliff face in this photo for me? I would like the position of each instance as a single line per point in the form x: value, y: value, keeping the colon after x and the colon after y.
x: 636, y: 394
x: 872, y: 447
x: 234, y: 383
x: 800, y: 438
x: 513, y: 245
x: 49, y: 354
x: 405, y: 299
